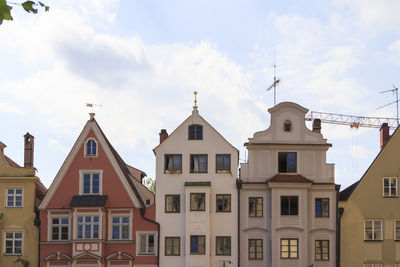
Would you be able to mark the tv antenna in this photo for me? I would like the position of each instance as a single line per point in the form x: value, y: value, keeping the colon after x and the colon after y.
x: 274, y: 84
x: 396, y: 91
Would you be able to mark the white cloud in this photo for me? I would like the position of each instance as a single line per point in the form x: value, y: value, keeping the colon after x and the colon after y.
x: 6, y: 107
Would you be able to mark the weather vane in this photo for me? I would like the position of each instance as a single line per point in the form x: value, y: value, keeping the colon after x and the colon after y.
x: 195, y: 99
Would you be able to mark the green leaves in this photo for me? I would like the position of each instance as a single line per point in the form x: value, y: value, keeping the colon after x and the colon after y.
x: 28, y: 6
x: 5, y: 13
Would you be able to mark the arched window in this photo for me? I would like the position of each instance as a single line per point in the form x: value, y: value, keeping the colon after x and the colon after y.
x: 91, y: 148
x: 195, y: 132
x: 287, y: 126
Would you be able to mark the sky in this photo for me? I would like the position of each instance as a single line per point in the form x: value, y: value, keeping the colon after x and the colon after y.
x: 142, y: 61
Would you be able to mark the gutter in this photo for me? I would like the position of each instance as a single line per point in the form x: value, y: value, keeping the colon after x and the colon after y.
x: 37, y: 222
x: 239, y: 185
x: 339, y: 213
x: 142, y: 212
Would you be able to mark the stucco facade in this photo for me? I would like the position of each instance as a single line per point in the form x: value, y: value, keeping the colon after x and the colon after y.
x: 197, y: 205
x: 370, y: 208
x: 287, y: 195
x: 97, y: 212
x: 20, y: 194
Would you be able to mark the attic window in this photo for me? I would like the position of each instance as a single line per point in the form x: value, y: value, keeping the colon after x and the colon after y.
x: 195, y: 132
x: 91, y: 148
x: 287, y: 126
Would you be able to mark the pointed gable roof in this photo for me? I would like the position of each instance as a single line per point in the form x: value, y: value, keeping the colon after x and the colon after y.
x: 195, y: 112
x: 346, y: 193
x: 119, y: 165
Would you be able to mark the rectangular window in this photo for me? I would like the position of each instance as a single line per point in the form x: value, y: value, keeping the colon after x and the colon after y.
x: 147, y: 244
x: 59, y: 228
x: 120, y: 227
x: 223, y: 163
x: 255, y: 249
x: 289, y: 248
x: 173, y: 164
x: 289, y: 205
x: 287, y: 162
x: 255, y: 206
x: 198, y: 244
x: 172, y: 246
x: 223, y: 246
x: 88, y: 227
x: 322, y: 207
x: 397, y: 229
x: 14, y: 197
x: 373, y: 230
x: 322, y: 250
x: 198, y: 163
x: 223, y: 203
x: 172, y: 203
x: 91, y: 183
x: 390, y: 187
x: 197, y: 201
x: 13, y: 243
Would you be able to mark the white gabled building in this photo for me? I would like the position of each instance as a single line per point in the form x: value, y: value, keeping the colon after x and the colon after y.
x: 287, y: 195
x: 196, y: 199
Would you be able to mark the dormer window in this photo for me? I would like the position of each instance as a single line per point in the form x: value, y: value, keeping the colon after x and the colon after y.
x: 195, y: 132
x: 91, y: 148
x: 287, y: 126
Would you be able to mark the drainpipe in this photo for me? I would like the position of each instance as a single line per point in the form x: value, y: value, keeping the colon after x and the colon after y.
x: 37, y: 224
x: 339, y: 214
x: 142, y: 212
x: 239, y: 185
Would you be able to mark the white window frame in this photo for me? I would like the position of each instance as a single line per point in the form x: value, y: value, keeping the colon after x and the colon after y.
x: 13, y: 240
x: 138, y: 237
x: 91, y: 223
x: 373, y: 226
x: 120, y: 224
x: 390, y: 191
x: 81, y: 181
x: 50, y: 227
x: 14, y: 195
x: 85, y: 148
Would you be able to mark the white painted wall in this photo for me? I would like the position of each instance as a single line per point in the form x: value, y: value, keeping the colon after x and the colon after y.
x: 188, y: 222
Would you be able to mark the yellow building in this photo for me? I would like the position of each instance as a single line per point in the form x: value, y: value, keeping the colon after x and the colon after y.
x: 369, y: 211
x: 20, y: 194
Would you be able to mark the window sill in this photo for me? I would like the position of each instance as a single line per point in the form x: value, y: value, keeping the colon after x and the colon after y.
x: 146, y: 254
x: 192, y: 172
x: 12, y: 207
x: 172, y: 255
x: 11, y: 254
x: 223, y: 211
x: 390, y: 196
x: 173, y: 172
x: 373, y: 241
x: 223, y: 171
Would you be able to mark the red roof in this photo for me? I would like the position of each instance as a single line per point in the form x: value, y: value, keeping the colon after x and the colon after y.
x: 289, y: 178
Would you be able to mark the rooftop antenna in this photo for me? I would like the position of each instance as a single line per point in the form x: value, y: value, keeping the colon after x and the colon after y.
x: 396, y: 91
x: 274, y: 84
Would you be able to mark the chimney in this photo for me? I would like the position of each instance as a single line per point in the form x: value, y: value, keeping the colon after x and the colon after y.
x: 316, y: 126
x: 163, y: 135
x: 29, y: 148
x: 384, y: 133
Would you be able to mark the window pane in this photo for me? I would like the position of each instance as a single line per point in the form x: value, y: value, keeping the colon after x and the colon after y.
x: 294, y: 205
x: 284, y: 205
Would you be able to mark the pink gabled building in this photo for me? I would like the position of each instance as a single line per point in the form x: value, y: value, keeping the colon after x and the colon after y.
x: 97, y: 212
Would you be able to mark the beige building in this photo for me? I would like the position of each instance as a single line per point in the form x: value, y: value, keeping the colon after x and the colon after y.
x: 287, y: 195
x: 21, y: 192
x: 370, y: 211
x: 196, y: 199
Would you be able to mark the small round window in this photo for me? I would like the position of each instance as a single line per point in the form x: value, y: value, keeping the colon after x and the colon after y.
x: 287, y: 126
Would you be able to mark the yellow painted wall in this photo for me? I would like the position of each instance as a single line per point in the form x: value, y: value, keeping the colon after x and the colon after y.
x: 367, y: 202
x: 18, y: 219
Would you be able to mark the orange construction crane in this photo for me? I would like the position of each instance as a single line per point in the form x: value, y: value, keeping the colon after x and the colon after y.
x: 352, y: 121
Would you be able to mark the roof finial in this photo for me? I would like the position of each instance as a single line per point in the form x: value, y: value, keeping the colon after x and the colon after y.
x: 195, y: 99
